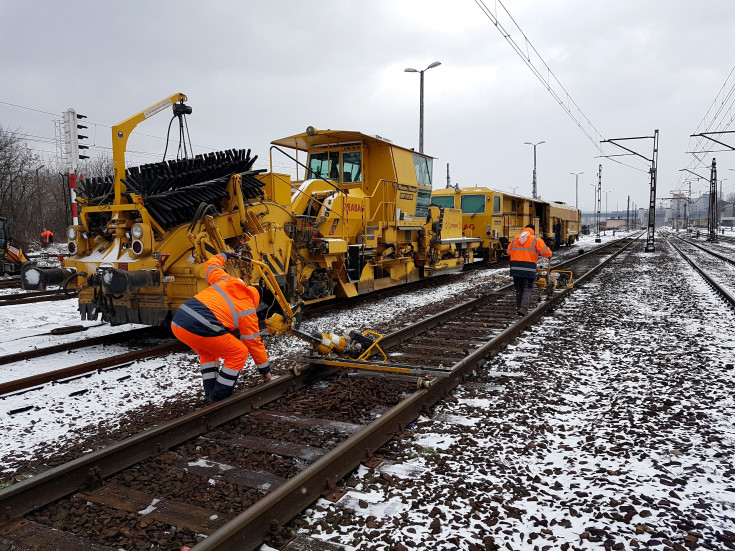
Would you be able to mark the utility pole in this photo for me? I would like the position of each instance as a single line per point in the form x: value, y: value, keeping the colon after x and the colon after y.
x: 576, y: 188
x: 627, y: 216
x: 449, y: 182
x: 712, y: 218
x: 653, y: 172
x: 598, y: 239
x: 535, y: 195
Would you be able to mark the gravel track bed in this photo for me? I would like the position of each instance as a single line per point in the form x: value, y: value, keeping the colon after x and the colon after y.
x: 609, y: 426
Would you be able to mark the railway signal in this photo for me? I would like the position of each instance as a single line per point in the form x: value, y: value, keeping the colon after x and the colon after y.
x: 72, y: 155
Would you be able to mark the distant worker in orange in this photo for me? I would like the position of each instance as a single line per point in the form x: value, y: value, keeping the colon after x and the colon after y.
x: 204, y: 323
x: 524, y: 251
x: 47, y: 237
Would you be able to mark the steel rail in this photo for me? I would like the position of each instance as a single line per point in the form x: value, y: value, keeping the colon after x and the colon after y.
x: 705, y: 249
x: 7, y: 283
x: 248, y: 530
x: 56, y: 483
x: 65, y: 347
x: 89, y: 367
x: 35, y: 296
x: 724, y: 293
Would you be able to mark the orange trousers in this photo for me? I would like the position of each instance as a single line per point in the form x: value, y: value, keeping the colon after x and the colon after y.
x: 211, y: 349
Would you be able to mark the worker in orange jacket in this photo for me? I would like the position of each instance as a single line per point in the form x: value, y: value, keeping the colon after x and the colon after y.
x: 524, y: 251
x: 204, y: 323
x: 47, y: 236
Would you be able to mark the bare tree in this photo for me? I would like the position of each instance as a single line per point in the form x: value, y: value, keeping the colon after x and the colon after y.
x: 18, y: 188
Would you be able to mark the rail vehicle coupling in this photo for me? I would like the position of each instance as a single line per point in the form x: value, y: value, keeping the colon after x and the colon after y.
x: 551, y: 280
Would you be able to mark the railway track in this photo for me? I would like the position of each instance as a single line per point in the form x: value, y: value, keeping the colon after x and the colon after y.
x: 716, y: 269
x: 239, y: 470
x: 13, y: 282
x: 117, y: 360
x: 36, y: 296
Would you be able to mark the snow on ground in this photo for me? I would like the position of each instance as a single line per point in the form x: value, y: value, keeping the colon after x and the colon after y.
x: 59, y: 414
x: 617, y: 432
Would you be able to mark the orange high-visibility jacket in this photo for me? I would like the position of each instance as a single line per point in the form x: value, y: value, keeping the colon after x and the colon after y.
x: 524, y: 251
x: 228, y: 304
x: 47, y: 235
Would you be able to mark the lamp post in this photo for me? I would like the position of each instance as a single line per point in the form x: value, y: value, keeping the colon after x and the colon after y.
x: 594, y: 202
x: 421, y: 102
x: 576, y: 188
x: 534, y: 164
x: 606, y: 211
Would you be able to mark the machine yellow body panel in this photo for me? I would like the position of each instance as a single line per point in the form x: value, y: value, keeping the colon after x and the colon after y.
x: 496, y: 218
x: 359, y: 220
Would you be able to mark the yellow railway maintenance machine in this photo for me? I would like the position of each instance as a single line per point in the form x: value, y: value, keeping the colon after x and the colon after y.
x: 355, y: 219
x: 496, y: 218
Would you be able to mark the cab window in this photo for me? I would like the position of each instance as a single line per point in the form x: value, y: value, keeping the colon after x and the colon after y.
x: 324, y: 165
x: 352, y: 166
x: 496, y: 203
x: 423, y: 166
x: 446, y: 201
x: 423, y: 198
x: 473, y: 204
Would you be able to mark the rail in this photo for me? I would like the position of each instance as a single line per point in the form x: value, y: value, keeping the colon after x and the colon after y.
x: 248, y: 530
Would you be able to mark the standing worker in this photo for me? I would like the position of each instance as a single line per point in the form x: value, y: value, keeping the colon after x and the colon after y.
x: 204, y: 323
x: 524, y: 251
x: 47, y: 237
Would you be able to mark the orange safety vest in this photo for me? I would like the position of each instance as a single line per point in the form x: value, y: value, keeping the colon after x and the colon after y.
x: 524, y: 251
x: 228, y: 304
x: 47, y: 235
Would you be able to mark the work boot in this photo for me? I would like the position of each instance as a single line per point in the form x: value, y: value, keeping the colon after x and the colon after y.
x: 208, y: 385
x: 224, y: 384
x: 209, y: 371
x: 220, y: 392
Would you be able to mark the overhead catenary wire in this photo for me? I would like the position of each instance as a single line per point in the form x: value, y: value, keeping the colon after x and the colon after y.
x: 719, y: 118
x: 131, y: 154
x: 562, y: 96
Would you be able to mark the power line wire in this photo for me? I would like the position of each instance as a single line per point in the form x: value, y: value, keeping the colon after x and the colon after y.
x: 563, y: 98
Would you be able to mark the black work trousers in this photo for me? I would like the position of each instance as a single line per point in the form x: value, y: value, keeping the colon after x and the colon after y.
x: 524, y: 288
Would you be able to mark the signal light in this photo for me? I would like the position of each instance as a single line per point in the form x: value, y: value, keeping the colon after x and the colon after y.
x: 72, y: 136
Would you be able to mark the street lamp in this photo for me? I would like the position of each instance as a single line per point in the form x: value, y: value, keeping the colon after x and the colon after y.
x: 606, y: 211
x: 421, y: 102
x: 594, y: 202
x: 534, y: 165
x: 576, y: 188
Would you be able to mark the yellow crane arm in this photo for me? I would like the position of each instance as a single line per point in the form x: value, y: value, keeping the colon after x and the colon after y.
x: 121, y: 132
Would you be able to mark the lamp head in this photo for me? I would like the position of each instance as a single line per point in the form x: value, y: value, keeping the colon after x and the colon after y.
x: 435, y: 64
x: 409, y: 70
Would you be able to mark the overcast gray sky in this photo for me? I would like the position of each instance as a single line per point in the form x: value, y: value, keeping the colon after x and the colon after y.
x: 255, y: 71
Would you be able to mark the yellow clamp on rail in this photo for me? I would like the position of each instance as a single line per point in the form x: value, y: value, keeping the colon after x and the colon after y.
x: 365, y: 355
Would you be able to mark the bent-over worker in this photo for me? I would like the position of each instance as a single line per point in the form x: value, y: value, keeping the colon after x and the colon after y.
x: 204, y: 323
x: 524, y: 251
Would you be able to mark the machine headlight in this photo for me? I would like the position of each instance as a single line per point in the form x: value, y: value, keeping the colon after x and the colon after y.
x: 71, y: 233
x: 136, y: 231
